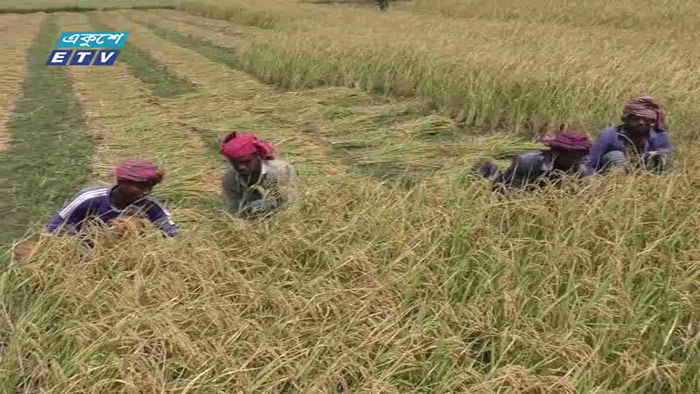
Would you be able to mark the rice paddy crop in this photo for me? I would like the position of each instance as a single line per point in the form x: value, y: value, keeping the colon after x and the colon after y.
x: 397, y: 271
x: 502, y: 75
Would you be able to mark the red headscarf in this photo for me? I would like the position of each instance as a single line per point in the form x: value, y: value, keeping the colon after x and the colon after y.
x: 646, y: 107
x: 236, y: 145
x: 138, y: 170
x: 567, y: 140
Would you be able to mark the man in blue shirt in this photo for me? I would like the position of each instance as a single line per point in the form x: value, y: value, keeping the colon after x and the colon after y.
x: 128, y: 198
x: 536, y: 169
x: 640, y: 142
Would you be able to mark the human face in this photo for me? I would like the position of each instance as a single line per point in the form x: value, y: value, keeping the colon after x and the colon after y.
x: 134, y: 191
x: 247, y: 165
x: 638, y: 125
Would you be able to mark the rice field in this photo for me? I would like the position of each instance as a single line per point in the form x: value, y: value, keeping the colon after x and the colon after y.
x: 31, y: 6
x: 397, y: 271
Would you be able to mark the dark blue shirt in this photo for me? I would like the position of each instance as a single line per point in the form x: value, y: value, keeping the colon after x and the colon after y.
x: 93, y: 203
x: 532, y: 170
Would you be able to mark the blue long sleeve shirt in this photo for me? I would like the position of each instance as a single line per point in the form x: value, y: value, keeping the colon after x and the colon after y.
x: 532, y: 170
x: 614, y: 139
x: 93, y: 203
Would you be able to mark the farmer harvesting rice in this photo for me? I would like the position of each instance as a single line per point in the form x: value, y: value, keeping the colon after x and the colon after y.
x: 641, y: 141
x: 567, y: 151
x: 130, y: 197
x: 256, y: 184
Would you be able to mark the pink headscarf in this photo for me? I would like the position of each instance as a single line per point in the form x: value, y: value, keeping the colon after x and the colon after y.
x: 646, y: 107
x: 138, y: 170
x: 236, y: 145
x: 566, y: 140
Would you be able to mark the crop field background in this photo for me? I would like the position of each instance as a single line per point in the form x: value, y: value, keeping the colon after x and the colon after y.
x: 30, y: 6
x: 398, y: 271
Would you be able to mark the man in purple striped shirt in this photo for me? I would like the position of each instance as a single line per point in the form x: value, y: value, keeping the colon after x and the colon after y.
x: 129, y: 197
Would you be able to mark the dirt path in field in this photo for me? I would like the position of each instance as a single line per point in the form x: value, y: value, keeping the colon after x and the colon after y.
x: 17, y: 32
x: 127, y: 120
x: 230, y: 100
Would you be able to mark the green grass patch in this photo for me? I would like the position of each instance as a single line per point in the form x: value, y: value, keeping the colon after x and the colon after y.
x: 159, y: 78
x: 78, y: 9
x: 50, y: 150
x: 213, y: 52
x: 24, y: 6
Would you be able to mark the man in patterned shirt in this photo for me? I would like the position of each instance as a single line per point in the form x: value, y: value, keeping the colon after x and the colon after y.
x: 257, y: 184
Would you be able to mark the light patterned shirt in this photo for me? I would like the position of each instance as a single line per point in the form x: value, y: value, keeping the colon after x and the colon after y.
x: 277, y: 186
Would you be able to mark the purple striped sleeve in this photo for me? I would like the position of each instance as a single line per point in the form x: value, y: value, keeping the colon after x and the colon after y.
x: 70, y: 224
x: 159, y: 215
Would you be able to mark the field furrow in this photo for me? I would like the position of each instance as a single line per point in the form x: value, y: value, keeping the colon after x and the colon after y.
x: 126, y: 120
x: 18, y: 32
x: 300, y: 119
x: 229, y: 100
x: 426, y: 282
x: 382, y: 136
x: 222, y: 33
x: 49, y: 151
x: 152, y: 74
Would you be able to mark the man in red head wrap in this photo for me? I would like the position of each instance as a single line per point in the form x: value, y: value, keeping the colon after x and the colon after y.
x: 535, y: 169
x: 641, y: 141
x: 120, y: 206
x: 128, y: 198
x: 257, y: 182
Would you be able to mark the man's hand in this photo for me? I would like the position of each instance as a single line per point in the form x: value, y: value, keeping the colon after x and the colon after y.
x: 25, y: 249
x: 127, y: 226
x: 655, y: 161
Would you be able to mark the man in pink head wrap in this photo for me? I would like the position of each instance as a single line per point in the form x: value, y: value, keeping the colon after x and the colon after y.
x: 138, y: 171
x: 535, y: 169
x: 257, y: 182
x: 641, y: 141
x: 129, y: 197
